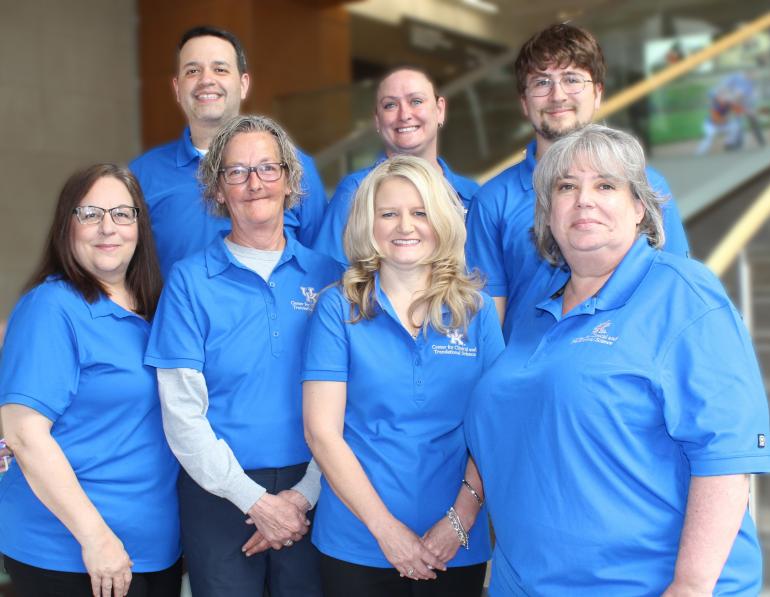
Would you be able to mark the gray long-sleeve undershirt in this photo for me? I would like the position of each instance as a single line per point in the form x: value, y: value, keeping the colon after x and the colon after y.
x: 209, y: 461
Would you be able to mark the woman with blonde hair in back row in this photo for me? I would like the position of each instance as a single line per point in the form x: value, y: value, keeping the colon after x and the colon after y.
x: 391, y: 357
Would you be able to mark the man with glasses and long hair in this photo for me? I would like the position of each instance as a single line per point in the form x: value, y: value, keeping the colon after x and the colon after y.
x: 560, y: 77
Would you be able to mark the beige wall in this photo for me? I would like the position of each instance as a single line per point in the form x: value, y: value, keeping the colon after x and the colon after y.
x: 68, y: 98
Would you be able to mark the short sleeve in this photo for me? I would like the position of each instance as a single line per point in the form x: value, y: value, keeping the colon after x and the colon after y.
x: 676, y: 239
x: 327, y: 347
x: 714, y: 404
x: 176, y: 340
x: 41, y: 365
x: 329, y: 239
x: 491, y: 333
x: 484, y: 244
x: 304, y: 219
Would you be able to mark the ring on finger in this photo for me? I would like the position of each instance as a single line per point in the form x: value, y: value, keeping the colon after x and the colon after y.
x: 288, y: 543
x: 410, y: 571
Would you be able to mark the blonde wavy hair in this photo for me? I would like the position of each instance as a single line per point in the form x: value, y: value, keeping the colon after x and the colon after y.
x: 450, y: 285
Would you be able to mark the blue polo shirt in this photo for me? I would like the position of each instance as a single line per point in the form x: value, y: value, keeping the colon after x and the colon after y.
x: 329, y: 239
x: 500, y: 220
x: 406, y: 400
x: 181, y: 222
x: 80, y: 365
x: 588, y: 429
x: 245, y: 335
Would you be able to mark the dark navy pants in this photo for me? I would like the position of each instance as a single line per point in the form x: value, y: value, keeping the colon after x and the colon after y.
x: 213, y: 531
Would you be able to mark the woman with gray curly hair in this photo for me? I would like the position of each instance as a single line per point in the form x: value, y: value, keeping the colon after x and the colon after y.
x: 225, y: 344
x: 616, y: 432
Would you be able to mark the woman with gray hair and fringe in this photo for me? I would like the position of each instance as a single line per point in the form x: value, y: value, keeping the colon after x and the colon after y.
x: 225, y: 342
x: 616, y: 433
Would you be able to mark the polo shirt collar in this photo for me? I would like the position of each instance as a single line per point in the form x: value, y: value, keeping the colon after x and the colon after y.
x: 528, y: 164
x: 218, y: 258
x: 627, y: 276
x: 185, y: 150
x: 104, y: 307
x: 618, y: 289
x: 463, y: 186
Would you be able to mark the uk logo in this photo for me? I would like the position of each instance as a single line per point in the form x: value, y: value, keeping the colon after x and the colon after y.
x: 455, y: 338
x: 311, y: 296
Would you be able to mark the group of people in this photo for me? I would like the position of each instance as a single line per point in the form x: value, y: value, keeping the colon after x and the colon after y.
x: 354, y: 391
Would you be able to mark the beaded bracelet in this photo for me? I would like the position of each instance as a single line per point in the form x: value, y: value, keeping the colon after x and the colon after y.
x: 454, y: 520
x: 476, y: 496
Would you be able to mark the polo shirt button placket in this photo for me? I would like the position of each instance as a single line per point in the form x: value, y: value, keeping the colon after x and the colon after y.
x: 418, y: 378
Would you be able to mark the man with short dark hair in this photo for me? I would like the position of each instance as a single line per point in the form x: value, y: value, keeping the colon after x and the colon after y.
x: 560, y: 77
x: 210, y: 83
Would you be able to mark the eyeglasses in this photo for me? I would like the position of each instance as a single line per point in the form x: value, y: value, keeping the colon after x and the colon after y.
x: 122, y: 215
x: 570, y: 84
x: 266, y: 172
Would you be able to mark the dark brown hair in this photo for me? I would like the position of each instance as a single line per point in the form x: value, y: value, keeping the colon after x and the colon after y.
x: 209, y: 31
x: 143, y: 279
x: 405, y: 67
x: 560, y: 45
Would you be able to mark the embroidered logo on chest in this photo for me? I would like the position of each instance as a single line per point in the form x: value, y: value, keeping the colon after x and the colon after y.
x: 310, y: 296
x: 599, y: 334
x: 456, y: 345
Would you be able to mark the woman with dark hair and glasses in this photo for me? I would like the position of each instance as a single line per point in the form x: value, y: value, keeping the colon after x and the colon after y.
x: 91, y: 507
x: 226, y: 342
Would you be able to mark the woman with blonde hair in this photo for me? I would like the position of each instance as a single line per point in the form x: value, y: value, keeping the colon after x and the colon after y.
x: 391, y: 357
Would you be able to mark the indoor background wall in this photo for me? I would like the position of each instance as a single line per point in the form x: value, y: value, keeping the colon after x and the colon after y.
x: 68, y: 98
x: 293, y: 47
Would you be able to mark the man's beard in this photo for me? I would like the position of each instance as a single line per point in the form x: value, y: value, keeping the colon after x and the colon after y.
x: 551, y: 134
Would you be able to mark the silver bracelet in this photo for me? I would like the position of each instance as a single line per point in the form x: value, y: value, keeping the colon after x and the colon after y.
x: 477, y: 497
x: 454, y: 520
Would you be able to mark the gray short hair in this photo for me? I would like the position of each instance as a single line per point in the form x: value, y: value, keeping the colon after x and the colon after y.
x: 208, y: 171
x: 605, y: 150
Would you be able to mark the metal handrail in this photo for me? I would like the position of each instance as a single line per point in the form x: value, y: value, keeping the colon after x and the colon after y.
x: 635, y: 92
x: 728, y: 249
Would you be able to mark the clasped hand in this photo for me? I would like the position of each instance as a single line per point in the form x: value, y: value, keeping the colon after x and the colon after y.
x: 415, y: 557
x: 280, y: 520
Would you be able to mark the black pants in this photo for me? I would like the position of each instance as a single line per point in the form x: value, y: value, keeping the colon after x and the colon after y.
x: 343, y: 579
x: 213, y: 531
x: 30, y: 581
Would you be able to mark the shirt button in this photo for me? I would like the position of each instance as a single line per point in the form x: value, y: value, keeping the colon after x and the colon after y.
x: 419, y: 382
x: 271, y: 284
x: 417, y: 361
x: 275, y: 334
x: 273, y: 316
